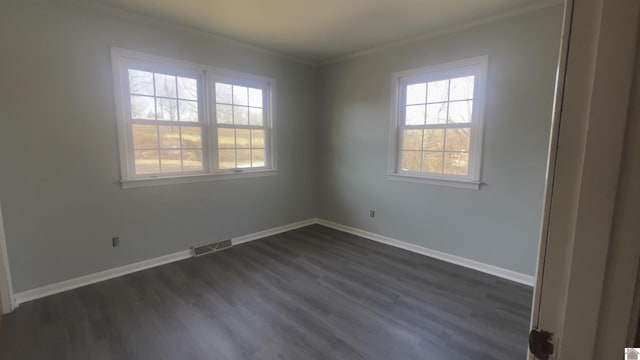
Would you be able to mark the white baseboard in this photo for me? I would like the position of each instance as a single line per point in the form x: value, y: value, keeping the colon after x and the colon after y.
x: 62, y: 286
x: 51, y: 289
x: 471, y: 264
x: 273, y: 231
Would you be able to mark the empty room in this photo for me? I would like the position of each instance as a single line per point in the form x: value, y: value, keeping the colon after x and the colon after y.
x: 264, y: 180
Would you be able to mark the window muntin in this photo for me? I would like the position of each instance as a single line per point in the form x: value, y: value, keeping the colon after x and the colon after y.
x: 435, y: 133
x: 241, y: 126
x: 173, y: 122
x: 438, y: 122
x: 165, y: 123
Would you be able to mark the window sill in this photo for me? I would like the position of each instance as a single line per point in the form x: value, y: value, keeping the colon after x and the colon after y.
x: 463, y: 184
x: 145, y: 182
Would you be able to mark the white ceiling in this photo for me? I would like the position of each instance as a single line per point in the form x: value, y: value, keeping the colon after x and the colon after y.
x: 318, y: 30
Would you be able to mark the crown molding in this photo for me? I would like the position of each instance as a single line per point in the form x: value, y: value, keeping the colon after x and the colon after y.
x: 446, y: 30
x: 125, y: 13
x: 133, y: 14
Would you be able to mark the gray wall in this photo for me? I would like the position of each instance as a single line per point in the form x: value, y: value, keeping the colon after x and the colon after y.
x: 497, y: 225
x: 59, y: 165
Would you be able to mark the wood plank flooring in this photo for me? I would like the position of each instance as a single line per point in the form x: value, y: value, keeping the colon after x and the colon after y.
x: 311, y: 293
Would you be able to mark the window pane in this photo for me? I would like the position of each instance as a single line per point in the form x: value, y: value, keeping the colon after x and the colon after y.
x: 223, y: 93
x: 458, y: 139
x: 411, y: 161
x: 437, y: 113
x: 243, y: 158
x: 145, y: 137
x: 142, y: 107
x: 412, y: 140
x: 257, y: 138
x: 192, y: 160
x: 438, y: 91
x: 167, y: 109
x: 433, y: 139
x: 227, y: 159
x: 147, y: 161
x: 255, y: 116
x: 240, y: 115
x: 191, y: 137
x: 255, y: 97
x: 415, y: 115
x: 460, y: 111
x: 240, y: 95
x: 188, y: 110
x: 226, y: 138
x: 169, y: 137
x: 187, y: 88
x: 416, y: 94
x: 170, y: 161
x: 243, y: 138
x: 257, y: 158
x: 456, y: 163
x: 165, y: 85
x: 140, y: 82
x: 432, y: 162
x: 461, y: 88
x: 224, y: 114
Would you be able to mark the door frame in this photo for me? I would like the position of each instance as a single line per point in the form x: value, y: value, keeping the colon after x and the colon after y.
x: 7, y: 298
x: 619, y: 310
x: 590, y: 114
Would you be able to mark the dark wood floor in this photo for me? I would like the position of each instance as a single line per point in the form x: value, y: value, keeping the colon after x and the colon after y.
x: 312, y: 293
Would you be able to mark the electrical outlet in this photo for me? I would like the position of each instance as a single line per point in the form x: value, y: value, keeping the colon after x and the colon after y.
x: 372, y: 213
x: 115, y: 242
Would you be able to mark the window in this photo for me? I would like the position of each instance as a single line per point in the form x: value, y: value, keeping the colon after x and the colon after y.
x: 437, y: 127
x: 166, y: 126
x: 183, y: 122
x: 241, y: 126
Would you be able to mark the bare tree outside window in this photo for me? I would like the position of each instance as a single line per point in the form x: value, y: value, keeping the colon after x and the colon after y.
x: 436, y: 126
x: 166, y: 125
x: 241, y: 126
x: 182, y: 122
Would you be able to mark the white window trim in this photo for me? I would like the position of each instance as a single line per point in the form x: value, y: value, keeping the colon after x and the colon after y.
x: 477, y: 65
x: 183, y: 179
x: 120, y: 58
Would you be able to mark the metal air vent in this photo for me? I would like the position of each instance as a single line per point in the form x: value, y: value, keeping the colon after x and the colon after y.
x: 204, y: 249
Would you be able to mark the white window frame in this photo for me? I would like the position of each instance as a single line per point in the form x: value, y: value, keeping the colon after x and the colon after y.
x: 476, y: 66
x: 124, y: 59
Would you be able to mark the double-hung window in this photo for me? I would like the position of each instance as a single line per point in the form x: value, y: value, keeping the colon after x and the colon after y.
x: 438, y: 123
x: 183, y: 122
x: 241, y: 125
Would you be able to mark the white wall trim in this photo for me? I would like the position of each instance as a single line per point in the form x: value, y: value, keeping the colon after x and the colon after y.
x: 7, y: 299
x: 273, y: 231
x: 122, y: 60
x: 476, y: 67
x: 468, y: 263
x: 136, y: 16
x: 417, y: 179
x: 185, y: 179
x: 446, y: 30
x: 70, y: 284
x: 160, y: 21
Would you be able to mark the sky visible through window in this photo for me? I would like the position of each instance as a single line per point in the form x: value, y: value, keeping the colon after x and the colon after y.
x: 241, y: 126
x: 435, y: 137
x: 166, y: 125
